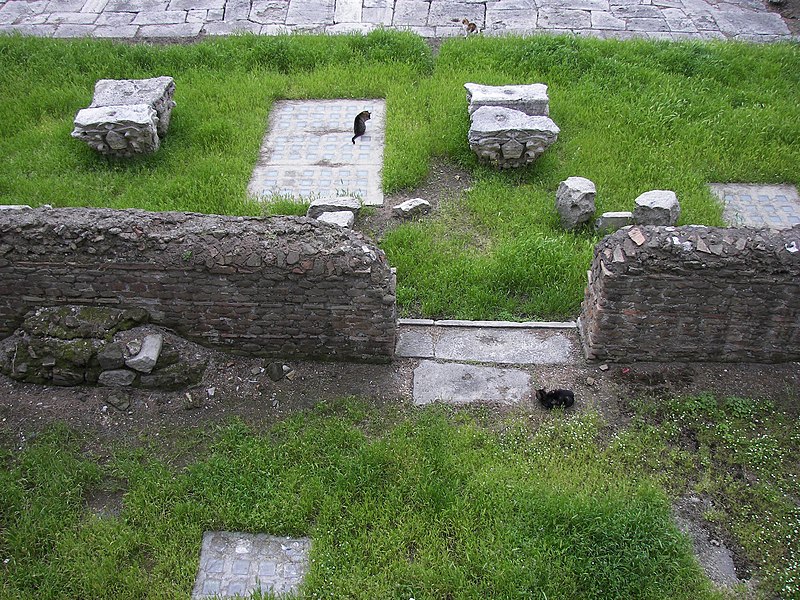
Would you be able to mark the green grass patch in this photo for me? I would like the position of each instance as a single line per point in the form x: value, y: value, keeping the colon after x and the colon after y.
x: 427, y: 505
x: 634, y: 116
x: 743, y: 454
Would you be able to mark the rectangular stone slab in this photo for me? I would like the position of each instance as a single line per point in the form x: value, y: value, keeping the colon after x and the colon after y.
x: 461, y: 384
x: 242, y: 563
x: 510, y: 346
x: 530, y: 99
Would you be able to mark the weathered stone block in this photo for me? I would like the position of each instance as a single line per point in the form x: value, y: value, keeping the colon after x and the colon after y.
x: 611, y: 221
x: 494, y: 128
x: 147, y: 357
x: 118, y: 130
x: 335, y: 204
x: 156, y: 92
x: 657, y: 207
x: 126, y: 116
x: 530, y: 99
x: 117, y: 377
x: 575, y: 201
x: 410, y: 208
x: 342, y: 218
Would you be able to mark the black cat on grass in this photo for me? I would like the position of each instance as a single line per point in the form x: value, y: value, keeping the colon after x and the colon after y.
x: 554, y: 398
x: 360, y: 124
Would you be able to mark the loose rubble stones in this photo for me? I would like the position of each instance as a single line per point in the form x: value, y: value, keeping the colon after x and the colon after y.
x: 505, y: 138
x: 611, y: 221
x: 342, y: 218
x: 657, y: 207
x: 530, y: 99
x: 575, y: 201
x: 413, y: 207
x: 74, y: 345
x: 126, y: 117
x: 336, y: 204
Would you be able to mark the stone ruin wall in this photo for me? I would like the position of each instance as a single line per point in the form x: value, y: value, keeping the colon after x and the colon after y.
x: 694, y: 294
x: 286, y: 287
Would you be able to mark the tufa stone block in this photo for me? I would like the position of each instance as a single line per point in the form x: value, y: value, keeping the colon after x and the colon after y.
x: 657, y: 207
x: 335, y: 204
x: 575, y: 201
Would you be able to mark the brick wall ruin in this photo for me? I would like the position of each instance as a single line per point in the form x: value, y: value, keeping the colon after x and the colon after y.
x: 287, y: 287
x: 694, y: 294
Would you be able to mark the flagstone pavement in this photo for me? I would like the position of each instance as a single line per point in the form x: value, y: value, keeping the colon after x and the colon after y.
x: 187, y: 19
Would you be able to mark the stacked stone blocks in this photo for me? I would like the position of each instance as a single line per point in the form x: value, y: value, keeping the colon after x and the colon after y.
x: 284, y: 287
x: 126, y: 116
x: 509, y: 125
x: 694, y: 294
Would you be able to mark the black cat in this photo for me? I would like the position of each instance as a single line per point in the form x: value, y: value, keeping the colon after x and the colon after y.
x: 553, y: 398
x: 360, y: 124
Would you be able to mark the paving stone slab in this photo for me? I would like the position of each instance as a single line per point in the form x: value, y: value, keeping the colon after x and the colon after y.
x: 509, y: 346
x: 461, y: 384
x: 415, y: 343
x: 755, y: 205
x: 243, y: 563
x: 308, y: 151
x: 747, y: 20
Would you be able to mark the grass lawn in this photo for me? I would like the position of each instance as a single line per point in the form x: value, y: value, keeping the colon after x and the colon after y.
x: 432, y: 504
x: 634, y: 116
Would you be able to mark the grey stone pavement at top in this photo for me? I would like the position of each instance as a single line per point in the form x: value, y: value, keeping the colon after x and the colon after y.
x: 242, y: 563
x: 758, y: 205
x: 308, y: 151
x: 152, y: 19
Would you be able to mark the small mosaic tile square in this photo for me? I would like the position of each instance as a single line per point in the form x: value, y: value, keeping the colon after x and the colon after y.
x: 242, y: 563
x: 756, y: 205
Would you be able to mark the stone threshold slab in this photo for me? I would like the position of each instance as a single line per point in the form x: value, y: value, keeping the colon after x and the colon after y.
x: 455, y: 383
x: 509, y: 324
x: 502, y: 345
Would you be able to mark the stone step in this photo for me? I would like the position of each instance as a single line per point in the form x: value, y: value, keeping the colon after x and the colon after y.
x: 506, y: 343
x: 456, y: 383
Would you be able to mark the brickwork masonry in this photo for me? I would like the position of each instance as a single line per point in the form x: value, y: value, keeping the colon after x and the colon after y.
x: 287, y: 287
x: 694, y: 294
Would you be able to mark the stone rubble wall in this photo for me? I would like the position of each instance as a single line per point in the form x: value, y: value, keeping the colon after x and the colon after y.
x: 287, y: 287
x: 694, y: 294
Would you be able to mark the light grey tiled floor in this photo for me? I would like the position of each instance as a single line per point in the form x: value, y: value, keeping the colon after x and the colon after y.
x: 242, y: 563
x: 308, y: 151
x: 755, y: 205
